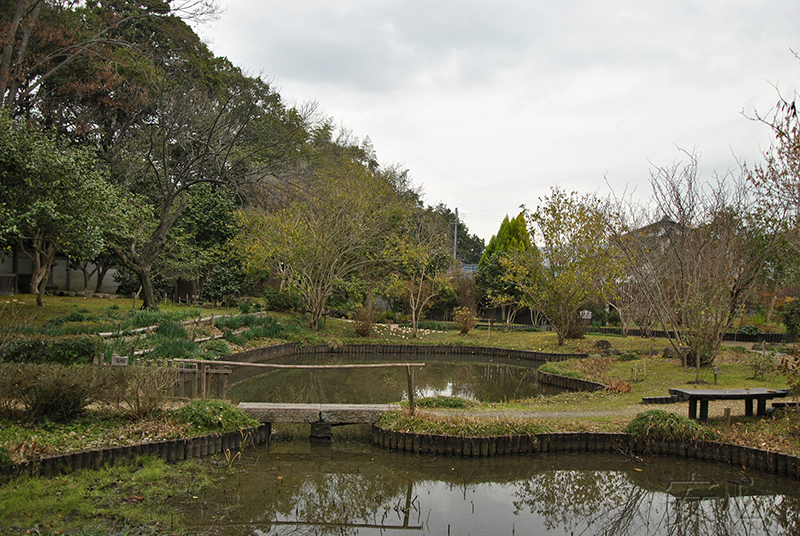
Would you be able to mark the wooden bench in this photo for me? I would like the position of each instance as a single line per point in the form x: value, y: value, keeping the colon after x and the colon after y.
x: 748, y: 395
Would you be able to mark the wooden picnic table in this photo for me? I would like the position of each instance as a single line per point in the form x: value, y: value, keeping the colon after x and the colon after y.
x: 748, y: 395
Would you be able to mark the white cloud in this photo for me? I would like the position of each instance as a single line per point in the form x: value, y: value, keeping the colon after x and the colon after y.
x: 489, y: 103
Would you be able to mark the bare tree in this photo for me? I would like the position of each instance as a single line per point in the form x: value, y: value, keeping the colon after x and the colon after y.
x: 700, y: 259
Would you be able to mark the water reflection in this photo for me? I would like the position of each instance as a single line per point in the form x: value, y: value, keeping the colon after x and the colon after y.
x: 353, y: 488
x: 494, y: 380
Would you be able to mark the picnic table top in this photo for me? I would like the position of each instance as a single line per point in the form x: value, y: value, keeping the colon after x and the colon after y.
x: 721, y: 394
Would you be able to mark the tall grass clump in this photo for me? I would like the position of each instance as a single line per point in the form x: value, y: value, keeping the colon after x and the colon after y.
x: 214, y: 416
x: 665, y: 426
x: 459, y: 426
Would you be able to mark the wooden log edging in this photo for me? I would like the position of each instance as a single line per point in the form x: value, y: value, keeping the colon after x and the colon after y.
x: 423, y: 350
x: 170, y: 450
x: 772, y: 462
x: 565, y: 382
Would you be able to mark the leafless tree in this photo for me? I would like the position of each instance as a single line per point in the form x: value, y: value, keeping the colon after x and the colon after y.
x: 700, y: 259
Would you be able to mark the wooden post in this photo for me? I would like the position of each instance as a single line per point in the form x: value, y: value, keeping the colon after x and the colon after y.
x: 203, y: 378
x: 727, y: 418
x: 195, y: 377
x: 411, y: 407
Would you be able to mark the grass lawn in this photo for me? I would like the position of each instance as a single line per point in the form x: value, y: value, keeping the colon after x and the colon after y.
x: 638, y: 375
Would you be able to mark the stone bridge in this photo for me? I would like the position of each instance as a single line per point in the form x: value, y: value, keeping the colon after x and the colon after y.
x: 321, y: 417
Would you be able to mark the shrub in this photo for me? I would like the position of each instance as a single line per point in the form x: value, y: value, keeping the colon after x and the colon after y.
x: 761, y: 364
x: 465, y: 319
x: 628, y: 356
x: 791, y: 317
x: 60, y: 393
x: 365, y: 319
x: 282, y: 300
x: 214, y: 416
x: 147, y: 390
x: 750, y: 330
x: 662, y: 425
x: 68, y: 350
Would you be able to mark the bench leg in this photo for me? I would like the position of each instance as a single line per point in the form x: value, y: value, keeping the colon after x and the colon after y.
x: 762, y: 407
x: 692, y: 408
x: 704, y: 411
x: 748, y: 407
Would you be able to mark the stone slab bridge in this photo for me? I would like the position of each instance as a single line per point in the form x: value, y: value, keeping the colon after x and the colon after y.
x: 321, y: 417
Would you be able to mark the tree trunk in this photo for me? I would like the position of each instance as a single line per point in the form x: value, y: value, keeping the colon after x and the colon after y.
x: 149, y: 300
x: 102, y: 270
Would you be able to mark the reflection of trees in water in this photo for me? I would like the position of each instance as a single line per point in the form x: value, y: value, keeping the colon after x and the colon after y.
x: 609, y: 503
x: 479, y: 381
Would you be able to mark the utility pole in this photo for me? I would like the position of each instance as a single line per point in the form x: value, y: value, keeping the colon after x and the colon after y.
x: 455, y: 236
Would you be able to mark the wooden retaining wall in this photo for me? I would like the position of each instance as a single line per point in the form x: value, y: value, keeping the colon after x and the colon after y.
x: 767, y: 461
x: 565, y: 382
x: 419, y: 350
x: 170, y: 450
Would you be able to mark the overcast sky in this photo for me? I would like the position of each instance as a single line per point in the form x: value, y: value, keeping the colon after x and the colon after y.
x: 490, y: 103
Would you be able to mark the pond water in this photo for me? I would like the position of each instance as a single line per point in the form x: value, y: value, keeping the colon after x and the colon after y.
x: 487, y: 380
x: 353, y: 488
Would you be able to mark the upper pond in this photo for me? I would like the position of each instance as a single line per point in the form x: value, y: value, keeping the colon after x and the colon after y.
x: 466, y: 376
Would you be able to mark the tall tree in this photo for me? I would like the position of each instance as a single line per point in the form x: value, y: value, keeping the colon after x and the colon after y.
x: 328, y: 233
x: 54, y: 198
x: 493, y: 285
x: 570, y: 263
x: 420, y: 256
x: 240, y: 136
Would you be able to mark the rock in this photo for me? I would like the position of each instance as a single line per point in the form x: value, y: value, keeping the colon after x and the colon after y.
x: 671, y: 353
x: 602, y: 344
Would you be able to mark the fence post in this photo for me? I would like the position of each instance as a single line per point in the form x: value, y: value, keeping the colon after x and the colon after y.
x: 411, y: 407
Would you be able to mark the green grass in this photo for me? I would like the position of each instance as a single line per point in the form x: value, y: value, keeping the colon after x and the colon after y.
x: 130, y: 497
x: 663, y: 425
x: 463, y: 425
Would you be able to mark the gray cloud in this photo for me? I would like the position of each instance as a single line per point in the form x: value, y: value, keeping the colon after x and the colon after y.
x: 491, y: 102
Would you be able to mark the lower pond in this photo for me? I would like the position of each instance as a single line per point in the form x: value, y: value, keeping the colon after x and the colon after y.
x: 352, y: 488
x: 487, y: 380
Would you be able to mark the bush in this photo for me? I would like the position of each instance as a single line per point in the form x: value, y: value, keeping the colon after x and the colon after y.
x: 465, y: 319
x: 146, y: 390
x: 60, y: 393
x: 214, y: 416
x: 365, y: 319
x: 282, y: 300
x: 791, y: 317
x: 68, y: 350
x: 750, y: 330
x: 661, y: 425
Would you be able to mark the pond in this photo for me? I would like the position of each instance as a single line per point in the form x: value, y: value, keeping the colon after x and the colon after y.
x: 466, y: 376
x: 352, y: 488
